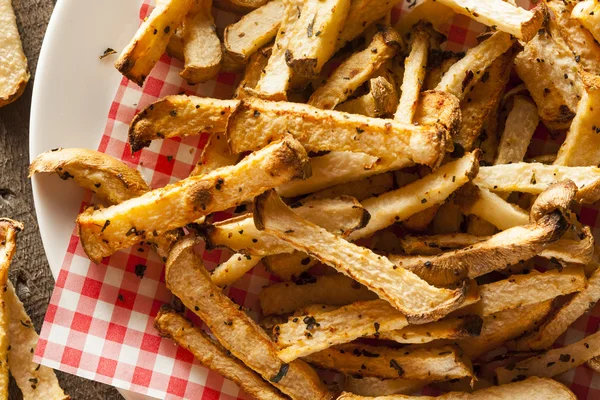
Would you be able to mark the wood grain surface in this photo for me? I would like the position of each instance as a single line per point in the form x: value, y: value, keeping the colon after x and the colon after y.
x: 30, y: 271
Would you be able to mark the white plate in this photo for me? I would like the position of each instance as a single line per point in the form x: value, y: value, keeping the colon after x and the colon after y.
x: 72, y: 94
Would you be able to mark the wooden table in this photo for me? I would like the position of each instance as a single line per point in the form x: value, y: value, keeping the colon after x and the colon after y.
x: 30, y: 271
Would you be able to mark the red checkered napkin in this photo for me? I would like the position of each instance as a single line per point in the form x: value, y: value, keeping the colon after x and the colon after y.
x: 99, y: 323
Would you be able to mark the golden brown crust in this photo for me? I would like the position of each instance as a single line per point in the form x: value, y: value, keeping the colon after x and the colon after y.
x: 20, y: 88
x: 435, y: 106
x: 179, y: 116
x: 558, y: 196
x: 111, y: 179
x: 531, y: 27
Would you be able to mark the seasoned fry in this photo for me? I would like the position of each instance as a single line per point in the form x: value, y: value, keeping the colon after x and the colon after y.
x: 415, y: 66
x: 256, y: 63
x: 490, y: 207
x: 14, y: 73
x: 381, y: 99
x: 469, y: 69
x: 360, y: 190
x: 531, y: 388
x: 215, y: 155
x: 107, y: 230
x: 521, y: 290
x: 419, y: 301
x: 356, y: 69
x: 308, y: 334
x: 502, y: 249
x: 558, y: 323
x: 558, y: 196
x: 179, y: 116
x: 201, y: 46
x: 340, y: 216
x: 239, y: 334
x: 275, y: 78
x: 582, y: 145
x: 256, y: 122
x: 151, y: 39
x: 211, y: 354
x: 501, y: 15
x: 427, y: 10
x: 420, y: 221
x: 447, y: 328
x: 337, y: 168
x: 233, y: 269
x: 313, y: 40
x: 23, y: 338
x: 534, y: 178
x: 588, y: 14
x: 289, y: 267
x: 369, y: 386
x: 435, y: 364
x: 434, y: 188
x: 553, y: 362
x: 520, y: 125
x: 504, y: 326
x: 175, y: 46
x: 580, y: 40
x: 439, y: 107
x: 555, y: 96
x: 480, y: 104
x: 254, y: 30
x: 336, y: 290
x: 112, y: 180
x: 8, y: 244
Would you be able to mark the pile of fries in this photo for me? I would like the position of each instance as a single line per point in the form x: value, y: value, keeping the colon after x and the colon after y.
x: 332, y: 155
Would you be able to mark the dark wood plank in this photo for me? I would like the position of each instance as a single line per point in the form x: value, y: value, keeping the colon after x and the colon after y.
x: 30, y: 271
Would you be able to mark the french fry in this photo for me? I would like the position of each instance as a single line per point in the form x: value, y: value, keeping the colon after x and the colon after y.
x: 447, y: 219
x: 179, y: 116
x: 340, y: 216
x: 502, y: 249
x: 439, y: 107
x: 530, y: 388
x: 588, y: 14
x: 315, y: 34
x: 555, y: 96
x: 381, y: 100
x: 415, y: 66
x: 14, y: 73
x: 215, y: 155
x: 211, y: 354
x: 427, y: 10
x: 239, y: 6
x: 558, y: 323
x: 289, y: 266
x: 474, y: 200
x: 233, y: 269
x: 409, y: 294
x: 8, y: 244
x: 230, y: 63
x: 360, y: 190
x: 594, y: 363
x: 275, y: 78
x: 502, y: 15
x: 201, y: 46
x: 558, y: 196
x: 522, y: 290
x: 175, y: 46
x: 447, y: 328
x: 438, y: 62
x: 520, y: 125
x: 23, y: 338
x: 151, y: 40
x: 112, y: 180
x: 479, y: 104
x: 552, y: 362
x: 421, y: 220
x: 534, y: 178
x: 581, y: 146
x: 432, y: 189
x: 504, y: 326
x: 470, y: 68
x: 580, y: 40
x: 308, y: 334
x: 369, y: 386
x: 435, y: 364
x: 336, y: 290
x: 256, y: 63
x: 107, y: 230
x: 254, y: 30
x: 357, y: 69
x: 239, y: 334
x: 256, y: 122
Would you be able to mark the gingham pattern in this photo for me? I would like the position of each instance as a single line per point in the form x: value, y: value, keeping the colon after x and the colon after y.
x: 99, y: 323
